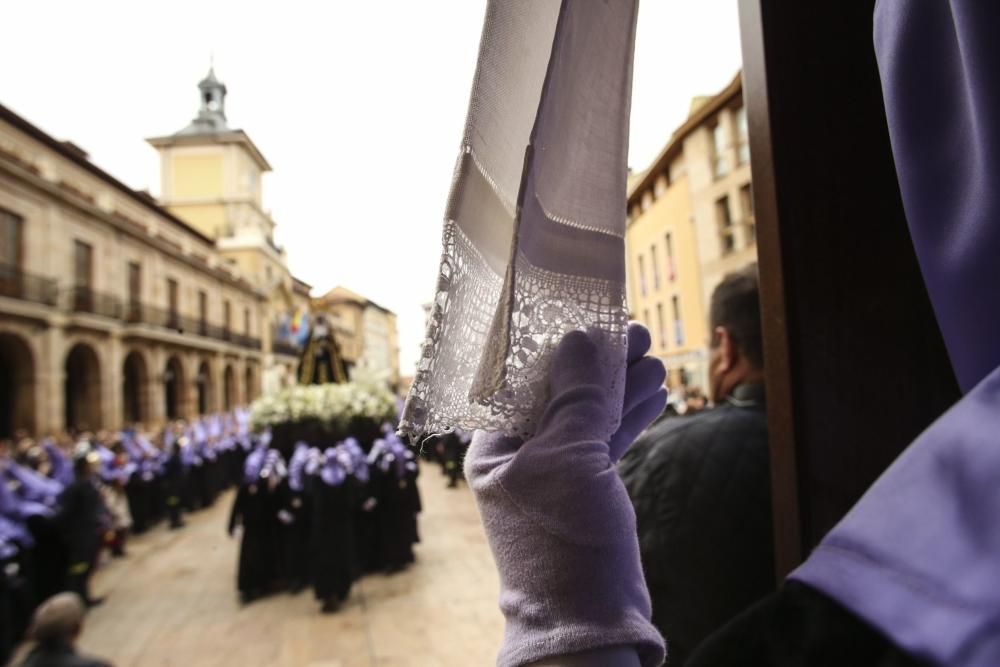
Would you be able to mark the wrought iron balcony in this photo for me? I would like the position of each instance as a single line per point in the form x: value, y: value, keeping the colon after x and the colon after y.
x: 284, y: 347
x: 18, y: 284
x: 164, y: 318
x: 83, y: 299
x: 248, y: 342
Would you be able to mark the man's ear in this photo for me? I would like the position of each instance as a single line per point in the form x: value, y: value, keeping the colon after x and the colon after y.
x: 727, y: 349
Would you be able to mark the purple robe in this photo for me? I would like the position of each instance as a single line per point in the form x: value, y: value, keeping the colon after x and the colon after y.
x: 62, y: 468
x: 34, y: 486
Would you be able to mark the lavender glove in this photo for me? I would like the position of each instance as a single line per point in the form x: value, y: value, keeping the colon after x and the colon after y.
x: 558, y: 518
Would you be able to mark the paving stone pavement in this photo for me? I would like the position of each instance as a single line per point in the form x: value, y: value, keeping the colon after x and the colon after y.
x: 172, y: 601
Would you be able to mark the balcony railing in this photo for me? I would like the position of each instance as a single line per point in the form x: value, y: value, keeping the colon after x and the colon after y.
x: 164, y: 318
x: 17, y: 284
x: 83, y: 299
x: 284, y: 347
x: 248, y: 342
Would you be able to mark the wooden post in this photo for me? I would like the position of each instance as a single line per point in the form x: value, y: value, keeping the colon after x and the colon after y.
x: 854, y: 360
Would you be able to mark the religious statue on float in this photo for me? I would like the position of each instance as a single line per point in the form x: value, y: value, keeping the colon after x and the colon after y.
x: 321, y: 362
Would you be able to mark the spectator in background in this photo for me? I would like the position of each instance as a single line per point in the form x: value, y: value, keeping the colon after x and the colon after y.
x: 55, y: 629
x: 694, y: 400
x: 80, y: 521
x: 701, y: 486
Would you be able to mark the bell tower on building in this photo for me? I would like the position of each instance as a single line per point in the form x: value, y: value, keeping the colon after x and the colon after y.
x: 210, y: 176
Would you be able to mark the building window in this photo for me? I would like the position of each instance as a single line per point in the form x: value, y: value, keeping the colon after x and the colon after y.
x: 749, y: 222
x: 202, y: 313
x: 656, y: 266
x: 10, y: 240
x: 671, y: 271
x: 173, y: 304
x: 675, y: 303
x: 661, y: 325
x: 83, y: 264
x: 727, y: 239
x: 661, y: 184
x: 83, y: 275
x: 647, y: 200
x: 646, y: 320
x: 742, y: 137
x: 227, y: 314
x: 246, y: 322
x: 642, y: 276
x: 720, y: 167
x: 134, y: 292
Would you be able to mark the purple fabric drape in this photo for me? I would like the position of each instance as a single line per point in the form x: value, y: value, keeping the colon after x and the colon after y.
x: 919, y: 556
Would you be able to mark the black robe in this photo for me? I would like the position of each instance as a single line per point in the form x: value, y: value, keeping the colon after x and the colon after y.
x: 138, y: 494
x: 395, y: 517
x: 333, y: 548
x: 79, y: 521
x: 366, y: 524
x: 168, y: 491
x: 796, y: 626
x: 255, y: 508
x: 298, y: 536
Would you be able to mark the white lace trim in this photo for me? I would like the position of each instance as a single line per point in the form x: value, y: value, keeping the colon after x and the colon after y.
x: 546, y: 306
x: 572, y: 223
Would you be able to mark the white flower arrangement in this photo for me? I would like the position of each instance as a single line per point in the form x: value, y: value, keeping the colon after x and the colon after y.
x: 327, y: 403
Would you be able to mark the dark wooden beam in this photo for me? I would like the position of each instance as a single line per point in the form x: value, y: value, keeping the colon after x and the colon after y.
x: 854, y: 359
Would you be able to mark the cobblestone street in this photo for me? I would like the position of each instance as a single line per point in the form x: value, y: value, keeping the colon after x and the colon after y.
x: 173, y: 601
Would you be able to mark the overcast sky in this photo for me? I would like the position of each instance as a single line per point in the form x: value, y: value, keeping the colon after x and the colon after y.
x: 358, y: 106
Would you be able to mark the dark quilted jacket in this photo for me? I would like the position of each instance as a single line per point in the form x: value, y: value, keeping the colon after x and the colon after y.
x: 700, y: 485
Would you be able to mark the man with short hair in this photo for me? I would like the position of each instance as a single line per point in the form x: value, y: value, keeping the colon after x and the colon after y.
x: 701, y: 485
x: 79, y: 520
x: 55, y: 628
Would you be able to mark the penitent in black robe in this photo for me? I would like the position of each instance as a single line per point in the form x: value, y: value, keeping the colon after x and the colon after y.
x: 333, y: 548
x: 396, y: 519
x: 255, y: 508
x: 297, y: 540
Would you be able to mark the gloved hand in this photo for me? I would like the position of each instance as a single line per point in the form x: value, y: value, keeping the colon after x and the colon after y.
x: 558, y: 519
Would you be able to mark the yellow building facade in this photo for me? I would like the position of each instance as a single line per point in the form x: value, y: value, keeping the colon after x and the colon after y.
x: 690, y: 222
x: 365, y: 332
x: 211, y: 177
x: 664, y: 277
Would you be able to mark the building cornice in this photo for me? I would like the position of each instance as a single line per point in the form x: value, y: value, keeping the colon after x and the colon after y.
x: 122, y: 224
x: 226, y: 244
x: 78, y: 157
x: 676, y: 143
x: 228, y: 137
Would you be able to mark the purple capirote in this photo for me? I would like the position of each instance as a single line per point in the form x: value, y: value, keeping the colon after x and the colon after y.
x: 918, y: 557
x: 559, y: 521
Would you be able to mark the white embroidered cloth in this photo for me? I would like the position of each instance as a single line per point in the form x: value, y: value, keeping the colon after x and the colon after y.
x: 535, y: 222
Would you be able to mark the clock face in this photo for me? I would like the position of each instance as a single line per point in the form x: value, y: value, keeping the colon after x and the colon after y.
x: 213, y: 105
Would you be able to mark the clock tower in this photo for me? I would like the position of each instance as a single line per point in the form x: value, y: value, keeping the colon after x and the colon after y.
x: 210, y: 177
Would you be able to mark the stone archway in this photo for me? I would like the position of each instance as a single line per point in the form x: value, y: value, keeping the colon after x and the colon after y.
x: 82, y: 389
x: 174, y: 389
x: 17, y: 386
x: 203, y: 387
x: 229, y: 388
x: 250, y: 380
x: 135, y: 389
